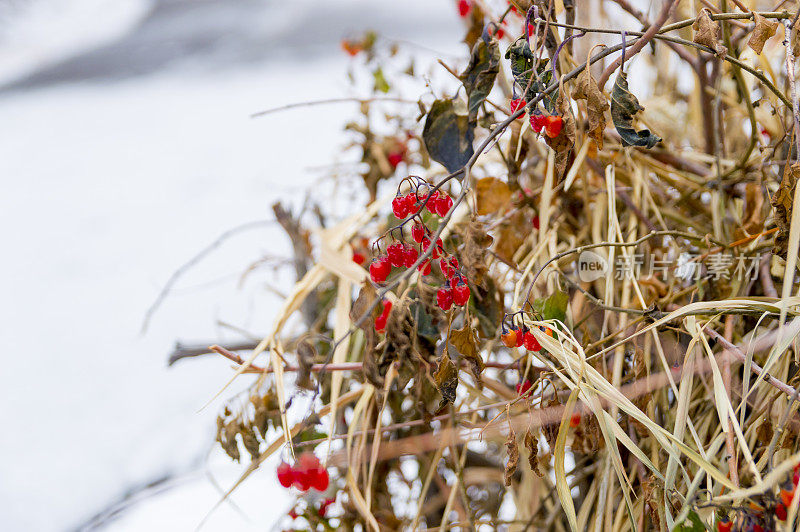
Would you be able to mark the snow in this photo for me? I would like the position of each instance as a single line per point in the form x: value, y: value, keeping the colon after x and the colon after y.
x: 108, y: 187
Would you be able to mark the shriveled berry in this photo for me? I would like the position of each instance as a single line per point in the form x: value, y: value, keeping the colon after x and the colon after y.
x: 399, y: 207
x: 530, y: 342
x: 417, y: 232
x: 285, y: 474
x: 516, y: 105
x: 464, y: 7
x: 358, y: 258
x: 444, y: 298
x: 510, y: 338
x: 396, y: 253
x: 461, y: 294
x: 575, y: 420
x: 523, y: 387
x: 535, y: 222
x: 410, y: 256
x: 552, y: 126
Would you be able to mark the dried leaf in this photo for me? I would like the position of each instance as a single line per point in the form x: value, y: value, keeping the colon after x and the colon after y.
x: 550, y: 430
x: 624, y: 107
x: 586, y: 89
x: 466, y: 342
x: 448, y: 134
x: 473, y: 257
x: 532, y: 445
x: 707, y: 32
x: 446, y: 378
x: 564, y: 142
x: 510, y: 235
x: 250, y: 441
x: 366, y: 296
x: 753, y: 217
x: 492, y: 195
x: 306, y: 354
x: 782, y: 205
x: 763, y: 31
x: 513, y: 457
x: 479, y: 76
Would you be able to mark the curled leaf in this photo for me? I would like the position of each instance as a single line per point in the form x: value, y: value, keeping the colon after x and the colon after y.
x: 479, y: 76
x: 448, y: 134
x: 586, y: 89
x: 492, y: 194
x: 563, y: 143
x: 707, y: 32
x: 446, y: 378
x: 466, y: 342
x: 763, y: 31
x: 532, y: 445
x: 624, y: 107
x: 513, y: 457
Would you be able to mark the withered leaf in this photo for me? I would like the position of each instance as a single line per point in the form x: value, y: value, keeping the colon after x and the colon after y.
x: 492, y: 195
x: 250, y: 441
x: 366, y: 296
x: 563, y: 143
x: 707, y: 32
x: 513, y: 457
x: 624, y: 107
x: 446, y: 378
x: 550, y: 430
x: 510, y: 235
x: 782, y: 206
x: 763, y: 31
x: 466, y: 342
x: 448, y: 134
x: 753, y: 217
x: 476, y: 245
x: 306, y: 354
x: 479, y: 76
x: 532, y: 445
x: 586, y: 89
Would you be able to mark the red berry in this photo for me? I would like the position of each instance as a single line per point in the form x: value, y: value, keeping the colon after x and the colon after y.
x: 285, y: 474
x: 780, y: 512
x: 758, y: 528
x: 510, y: 338
x: 292, y: 514
x: 552, y: 126
x: 461, y: 294
x: 411, y: 203
x: 425, y: 267
x: 523, y: 387
x: 530, y: 342
x: 787, y: 496
x: 323, y: 507
x: 517, y: 104
x: 795, y: 478
x: 351, y: 48
x: 379, y: 269
x: 380, y: 323
x: 500, y: 33
x: 426, y: 244
x: 444, y: 205
x: 358, y: 258
x: 410, y: 256
x: 724, y: 525
x: 535, y: 222
x: 396, y: 253
x: 399, y: 207
x: 575, y: 420
x: 464, y: 7
x: 444, y: 298
x: 537, y: 121
x: 520, y: 337
x: 396, y: 157
x: 417, y: 232
x: 433, y: 199
x: 320, y: 479
x: 531, y: 29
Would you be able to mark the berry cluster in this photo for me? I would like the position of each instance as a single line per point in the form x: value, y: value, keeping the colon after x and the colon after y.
x: 307, y: 473
x: 516, y: 337
x: 761, y: 517
x: 551, y: 124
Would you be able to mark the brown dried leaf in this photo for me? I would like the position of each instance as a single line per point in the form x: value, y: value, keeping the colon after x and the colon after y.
x: 250, y: 441
x: 782, y: 205
x: 764, y: 431
x: 565, y: 140
x: 707, y: 32
x: 511, y: 234
x: 532, y: 445
x: 764, y: 29
x: 550, y: 430
x: 513, y: 457
x: 753, y: 217
x: 366, y: 296
x: 466, y: 342
x: 473, y: 258
x: 306, y: 354
x: 596, y: 104
x: 446, y: 378
x: 492, y: 195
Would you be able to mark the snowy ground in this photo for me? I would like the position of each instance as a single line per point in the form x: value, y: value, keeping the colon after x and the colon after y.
x: 114, y: 173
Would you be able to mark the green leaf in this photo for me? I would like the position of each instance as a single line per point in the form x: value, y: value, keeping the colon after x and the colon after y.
x: 448, y: 134
x: 380, y: 81
x: 624, y: 107
x: 692, y: 523
x: 478, y: 78
x: 554, y: 307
